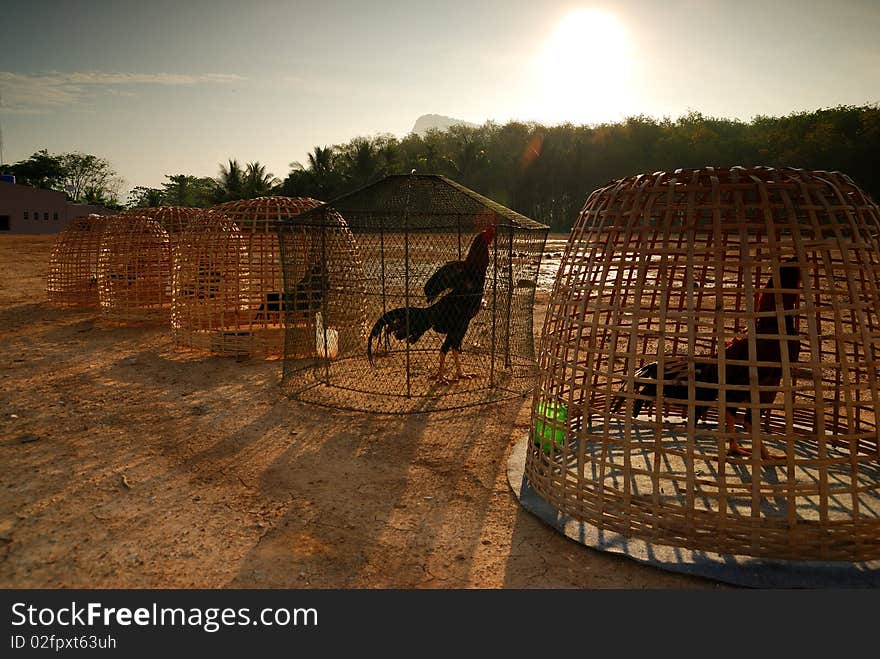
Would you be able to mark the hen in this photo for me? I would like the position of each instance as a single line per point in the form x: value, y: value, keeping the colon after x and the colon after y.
x: 769, y: 346
x: 450, y: 314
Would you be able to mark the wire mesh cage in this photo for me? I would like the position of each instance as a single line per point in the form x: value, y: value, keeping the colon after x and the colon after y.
x: 708, y: 365
x: 173, y: 219
x: 73, y: 265
x: 433, y: 307
x: 228, y: 279
x: 134, y: 270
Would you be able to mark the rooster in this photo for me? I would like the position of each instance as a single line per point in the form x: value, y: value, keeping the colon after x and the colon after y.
x: 449, y: 314
x: 675, y: 379
x: 308, y: 295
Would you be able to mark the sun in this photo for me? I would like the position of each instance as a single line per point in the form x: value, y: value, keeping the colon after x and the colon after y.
x: 584, y: 70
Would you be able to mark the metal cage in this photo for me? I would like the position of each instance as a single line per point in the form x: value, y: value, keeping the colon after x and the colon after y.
x: 708, y: 365
x: 397, y: 233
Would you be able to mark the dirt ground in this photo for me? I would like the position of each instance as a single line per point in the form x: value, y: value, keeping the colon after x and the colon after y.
x: 126, y: 462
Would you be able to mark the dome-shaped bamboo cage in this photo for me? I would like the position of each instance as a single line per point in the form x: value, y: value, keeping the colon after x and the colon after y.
x: 323, y: 297
x: 73, y: 264
x: 241, y: 262
x: 708, y: 366
x: 174, y: 219
x: 406, y: 227
x: 134, y: 270
x: 210, y: 301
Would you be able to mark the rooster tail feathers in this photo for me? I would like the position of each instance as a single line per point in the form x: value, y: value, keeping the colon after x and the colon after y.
x: 674, y: 381
x: 394, y: 322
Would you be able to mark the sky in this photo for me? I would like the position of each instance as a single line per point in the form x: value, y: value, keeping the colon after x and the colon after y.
x: 180, y: 87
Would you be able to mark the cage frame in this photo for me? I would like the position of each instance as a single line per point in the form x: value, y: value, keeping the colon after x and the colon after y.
x: 234, y: 323
x: 72, y: 278
x: 174, y: 219
x: 206, y: 285
x: 393, y: 222
x: 134, y: 271
x: 670, y: 479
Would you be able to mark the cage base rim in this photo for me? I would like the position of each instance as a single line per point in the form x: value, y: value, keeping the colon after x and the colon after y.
x: 733, y: 569
x: 497, y: 395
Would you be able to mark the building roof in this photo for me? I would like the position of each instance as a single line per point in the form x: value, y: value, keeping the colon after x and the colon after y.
x: 7, y: 188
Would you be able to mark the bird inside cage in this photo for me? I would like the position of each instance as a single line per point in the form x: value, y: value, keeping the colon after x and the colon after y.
x: 307, y: 295
x: 771, y: 352
x: 455, y: 295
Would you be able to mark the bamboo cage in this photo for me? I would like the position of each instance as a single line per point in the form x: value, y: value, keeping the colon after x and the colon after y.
x: 210, y: 301
x: 173, y: 219
x: 134, y: 270
x: 708, y: 365
x: 73, y: 265
x: 228, y: 278
x: 403, y: 229
x: 323, y: 279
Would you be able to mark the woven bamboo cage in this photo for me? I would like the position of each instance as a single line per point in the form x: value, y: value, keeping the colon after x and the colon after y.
x: 134, y: 270
x: 709, y: 375
x: 323, y: 280
x: 73, y: 264
x: 210, y: 300
x: 228, y: 277
x: 173, y: 219
x: 404, y: 229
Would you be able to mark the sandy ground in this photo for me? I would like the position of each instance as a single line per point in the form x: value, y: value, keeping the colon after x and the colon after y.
x: 128, y: 463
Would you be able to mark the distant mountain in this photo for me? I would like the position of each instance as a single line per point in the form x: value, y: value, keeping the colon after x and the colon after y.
x: 437, y: 121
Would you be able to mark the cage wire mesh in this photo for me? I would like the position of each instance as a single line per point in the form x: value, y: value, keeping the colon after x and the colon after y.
x: 73, y: 265
x: 134, y: 270
x: 400, y: 232
x: 228, y: 280
x: 708, y: 365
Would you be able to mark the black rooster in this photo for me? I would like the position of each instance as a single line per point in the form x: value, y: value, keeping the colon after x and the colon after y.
x: 308, y: 294
x: 450, y: 314
x: 768, y: 351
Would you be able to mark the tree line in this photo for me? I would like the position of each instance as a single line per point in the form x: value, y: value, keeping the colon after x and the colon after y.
x: 85, y: 178
x: 547, y: 172
x: 89, y: 179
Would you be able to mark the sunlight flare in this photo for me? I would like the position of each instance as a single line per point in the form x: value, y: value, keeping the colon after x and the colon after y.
x: 584, y: 70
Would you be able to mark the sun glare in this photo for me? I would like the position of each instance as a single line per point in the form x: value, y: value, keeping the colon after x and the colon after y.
x: 584, y: 70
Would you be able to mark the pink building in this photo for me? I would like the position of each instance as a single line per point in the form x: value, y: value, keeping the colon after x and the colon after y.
x: 24, y: 209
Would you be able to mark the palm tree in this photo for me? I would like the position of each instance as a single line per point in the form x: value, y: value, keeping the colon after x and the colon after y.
x: 298, y: 183
x: 323, y: 173
x: 231, y: 183
x: 321, y: 161
x: 363, y: 162
x: 257, y: 181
